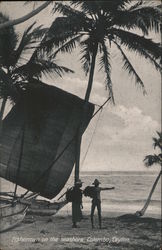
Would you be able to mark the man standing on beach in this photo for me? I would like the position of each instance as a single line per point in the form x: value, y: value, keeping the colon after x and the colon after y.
x: 96, y: 200
x: 77, y: 203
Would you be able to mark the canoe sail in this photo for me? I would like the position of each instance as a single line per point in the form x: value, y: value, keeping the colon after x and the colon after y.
x: 50, y: 118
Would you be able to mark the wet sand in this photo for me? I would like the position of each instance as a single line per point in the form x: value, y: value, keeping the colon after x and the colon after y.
x: 56, y: 232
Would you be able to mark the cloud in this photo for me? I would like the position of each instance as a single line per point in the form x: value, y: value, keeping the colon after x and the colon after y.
x: 136, y: 124
x: 78, y: 86
x: 122, y: 139
x: 123, y: 123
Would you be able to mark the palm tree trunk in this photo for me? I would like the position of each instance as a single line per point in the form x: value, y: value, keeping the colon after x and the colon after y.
x: 142, y: 211
x: 87, y: 96
x: 26, y: 17
x: 3, y: 105
x: 91, y: 74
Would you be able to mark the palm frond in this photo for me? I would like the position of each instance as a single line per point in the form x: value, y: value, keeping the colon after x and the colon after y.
x: 23, y: 42
x: 68, y: 11
x: 156, y: 64
x: 129, y: 67
x: 158, y: 141
x: 85, y: 59
x: 4, y: 81
x: 145, y: 18
x: 42, y: 50
x: 105, y: 64
x: 111, y: 7
x: 30, y: 36
x: 8, y: 42
x: 136, y: 5
x: 41, y: 67
x: 77, y: 17
x: 66, y: 25
x: 87, y: 7
x: 68, y: 46
x: 159, y: 134
x: 119, y: 4
x: 7, y: 88
x: 153, y: 159
x: 49, y: 68
x: 86, y: 52
x: 137, y: 43
x: 62, y: 30
x: 93, y: 8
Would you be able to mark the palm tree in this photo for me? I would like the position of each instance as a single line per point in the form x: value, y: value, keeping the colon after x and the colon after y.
x: 155, y: 159
x: 96, y: 25
x: 17, y: 71
x: 99, y: 27
x: 149, y: 161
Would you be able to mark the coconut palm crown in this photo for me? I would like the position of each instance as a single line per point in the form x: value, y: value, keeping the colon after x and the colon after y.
x: 99, y: 27
x: 156, y: 158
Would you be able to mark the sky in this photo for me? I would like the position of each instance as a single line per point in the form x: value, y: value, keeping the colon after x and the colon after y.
x: 122, y: 134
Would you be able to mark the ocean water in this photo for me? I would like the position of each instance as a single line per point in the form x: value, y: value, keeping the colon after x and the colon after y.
x: 130, y: 193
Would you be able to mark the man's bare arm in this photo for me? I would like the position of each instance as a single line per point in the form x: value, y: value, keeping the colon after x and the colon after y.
x: 102, y: 189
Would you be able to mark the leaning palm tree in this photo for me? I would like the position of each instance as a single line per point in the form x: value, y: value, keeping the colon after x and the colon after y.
x: 149, y: 161
x: 16, y: 70
x: 99, y: 27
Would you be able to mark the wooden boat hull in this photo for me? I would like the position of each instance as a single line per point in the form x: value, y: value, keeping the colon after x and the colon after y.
x: 44, y: 208
x: 11, y: 216
x: 7, y: 210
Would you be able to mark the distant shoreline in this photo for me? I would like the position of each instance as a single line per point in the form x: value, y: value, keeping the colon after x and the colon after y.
x: 119, y: 171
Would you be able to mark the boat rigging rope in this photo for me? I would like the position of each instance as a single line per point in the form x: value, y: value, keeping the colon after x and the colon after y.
x: 101, y: 109
x: 61, y: 153
x: 94, y: 131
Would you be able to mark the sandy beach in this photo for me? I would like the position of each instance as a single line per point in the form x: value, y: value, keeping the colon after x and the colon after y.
x: 56, y: 232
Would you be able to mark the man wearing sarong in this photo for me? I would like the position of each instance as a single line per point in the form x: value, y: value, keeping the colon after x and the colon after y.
x: 77, y: 203
x: 96, y: 201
